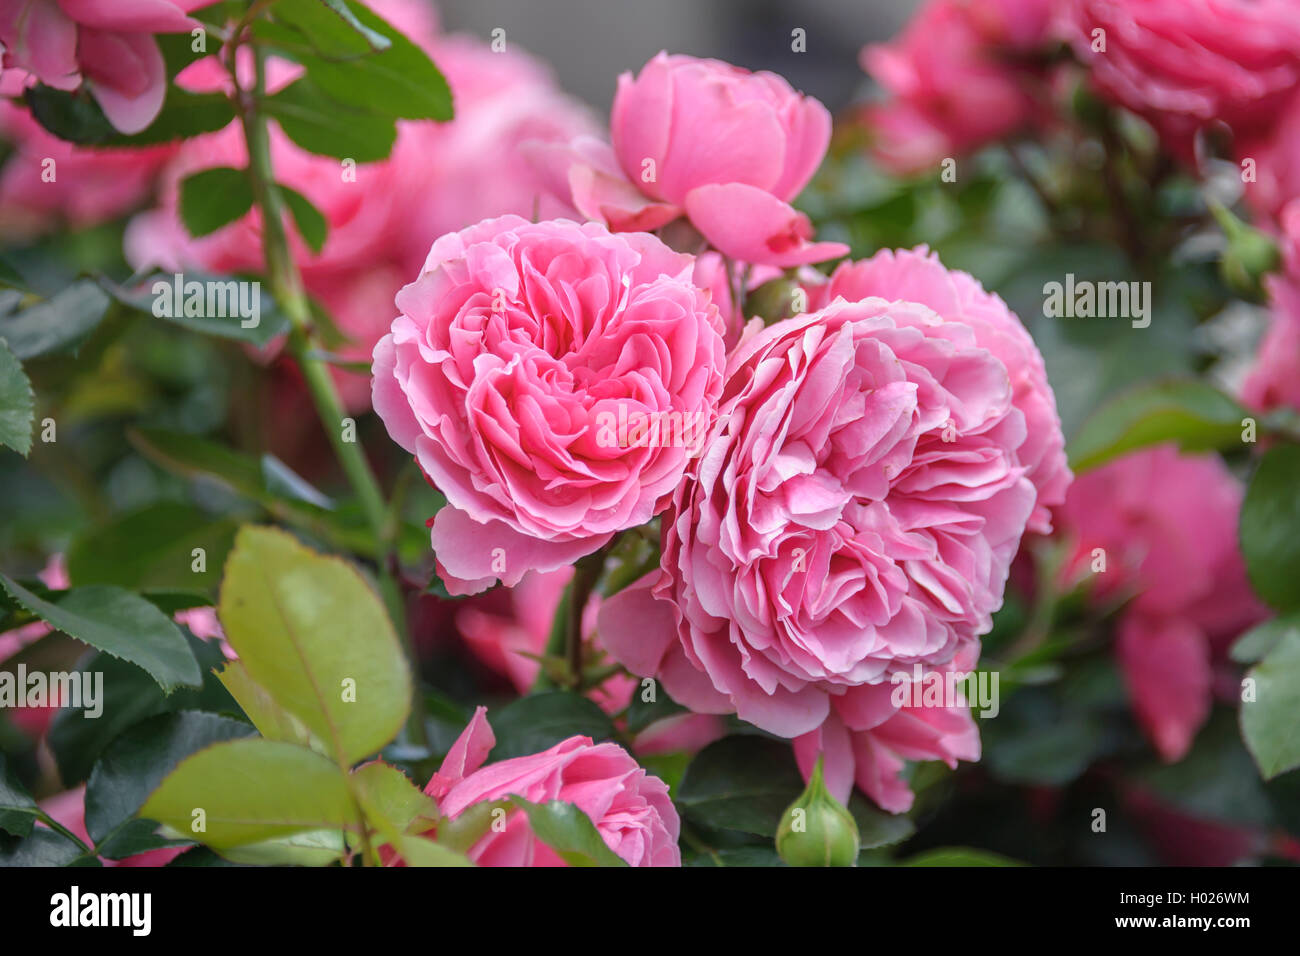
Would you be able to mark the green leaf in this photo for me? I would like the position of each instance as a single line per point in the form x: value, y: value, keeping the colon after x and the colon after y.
x: 419, y: 851
x: 1270, y: 528
x: 959, y: 856
x: 72, y: 116
x: 641, y: 714
x: 322, y: 125
x: 212, y: 198
x: 184, y: 115
x: 63, y: 320
x: 390, y: 800
x: 742, y: 782
x: 401, y: 81
x: 17, y: 403
x: 329, y: 26
x: 311, y: 631
x: 129, y: 696
x: 533, y: 723
x: 122, y: 624
x: 1269, y: 723
x: 135, y: 765
x: 251, y: 791
x: 1253, y: 646
x: 44, y: 848
x: 310, y: 222
x: 152, y: 547
x: 1195, y: 415
x: 569, y: 832
x: 271, y: 720
x: 17, y: 808
x: 308, y: 848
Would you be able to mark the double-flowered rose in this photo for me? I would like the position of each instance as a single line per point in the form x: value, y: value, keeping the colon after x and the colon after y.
x: 855, y: 512
x: 630, y: 808
x: 552, y: 380
x: 1184, y: 64
x: 106, y: 45
x: 1161, y: 527
x: 955, y: 80
x: 723, y: 146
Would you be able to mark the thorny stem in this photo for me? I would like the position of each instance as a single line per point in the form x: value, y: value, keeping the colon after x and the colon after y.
x: 286, y: 287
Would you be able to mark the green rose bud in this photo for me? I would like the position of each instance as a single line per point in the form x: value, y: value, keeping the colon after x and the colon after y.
x: 1250, y: 255
x: 817, y: 830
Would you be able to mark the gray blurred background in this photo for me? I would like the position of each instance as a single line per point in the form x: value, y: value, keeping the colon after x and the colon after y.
x: 590, y: 42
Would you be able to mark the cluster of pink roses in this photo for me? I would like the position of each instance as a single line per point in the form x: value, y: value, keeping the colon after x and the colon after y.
x: 871, y: 465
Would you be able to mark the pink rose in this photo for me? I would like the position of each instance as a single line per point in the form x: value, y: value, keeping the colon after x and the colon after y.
x: 510, y: 645
x: 723, y: 146
x: 951, y: 89
x: 1166, y: 527
x: 107, y: 45
x: 871, y: 743
x: 1185, y: 63
x: 1275, y: 153
x: 918, y: 276
x: 629, y: 807
x: 520, y: 349
x: 855, y: 514
x: 47, y: 182
x: 1274, y: 380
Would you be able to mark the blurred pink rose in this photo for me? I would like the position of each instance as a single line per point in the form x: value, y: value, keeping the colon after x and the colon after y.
x: 1183, y: 64
x: 918, y: 276
x: 629, y: 807
x: 1275, y: 153
x: 47, y: 182
x: 951, y: 87
x: 519, y: 349
x: 723, y: 146
x: 1166, y: 524
x: 510, y: 645
x: 1274, y: 380
x: 868, y: 743
x: 382, y: 216
x: 107, y: 45
x: 855, y: 514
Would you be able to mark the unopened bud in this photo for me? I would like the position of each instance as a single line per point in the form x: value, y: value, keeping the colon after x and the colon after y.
x: 817, y: 830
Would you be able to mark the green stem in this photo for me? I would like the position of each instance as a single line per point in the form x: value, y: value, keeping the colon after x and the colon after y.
x: 286, y: 286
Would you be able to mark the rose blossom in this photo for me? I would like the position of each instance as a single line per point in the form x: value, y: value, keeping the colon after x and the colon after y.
x: 47, y: 181
x: 518, y: 348
x: 629, y: 807
x: 917, y: 275
x: 855, y: 514
x: 1185, y: 63
x: 723, y: 146
x: 1166, y: 524
x: 951, y: 86
x: 1275, y: 153
x: 106, y: 44
x: 1274, y: 379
